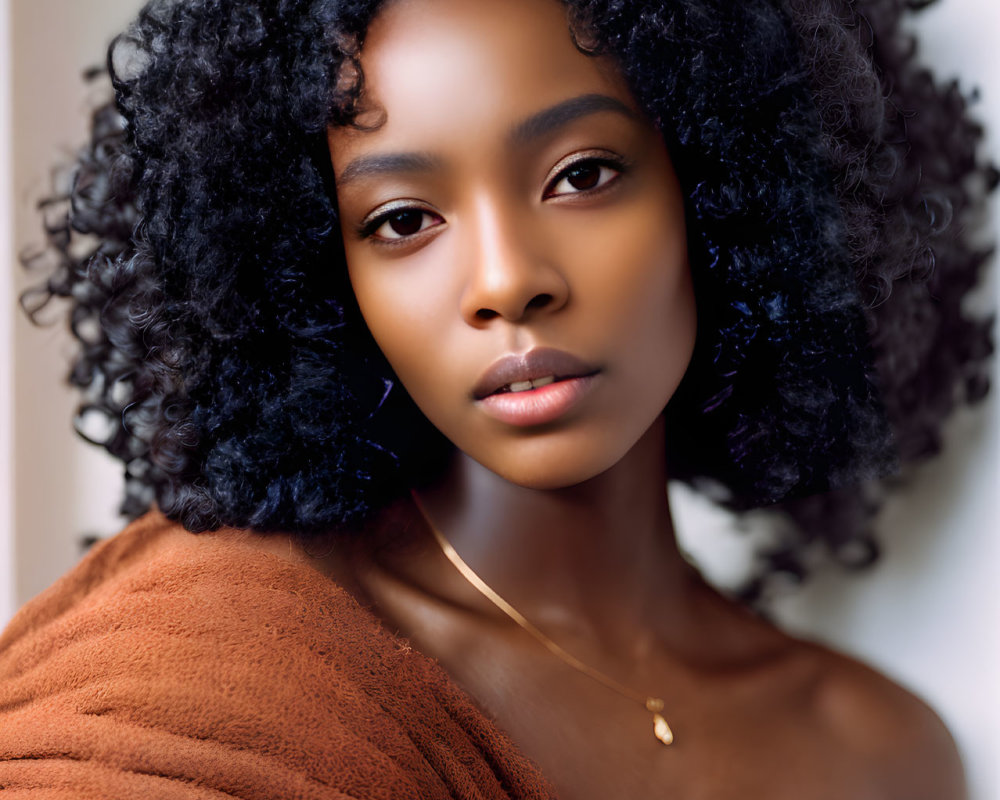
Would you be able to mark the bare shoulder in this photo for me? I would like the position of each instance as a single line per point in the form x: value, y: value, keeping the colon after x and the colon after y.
x: 893, y: 732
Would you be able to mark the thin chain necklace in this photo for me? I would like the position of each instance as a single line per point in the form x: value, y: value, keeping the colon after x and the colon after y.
x: 654, y: 705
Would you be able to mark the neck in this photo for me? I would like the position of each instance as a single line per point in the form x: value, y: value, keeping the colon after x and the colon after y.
x: 597, y: 559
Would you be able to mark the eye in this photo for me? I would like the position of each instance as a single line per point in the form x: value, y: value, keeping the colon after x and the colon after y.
x: 583, y: 175
x: 406, y: 222
x: 398, y: 222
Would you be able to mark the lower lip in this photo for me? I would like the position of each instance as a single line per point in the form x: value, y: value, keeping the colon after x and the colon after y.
x: 537, y: 406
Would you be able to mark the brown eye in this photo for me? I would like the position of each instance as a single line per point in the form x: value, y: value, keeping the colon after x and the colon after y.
x: 586, y: 175
x: 401, y: 224
x: 406, y: 223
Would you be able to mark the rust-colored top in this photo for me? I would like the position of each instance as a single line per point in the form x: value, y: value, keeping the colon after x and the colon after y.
x: 175, y: 665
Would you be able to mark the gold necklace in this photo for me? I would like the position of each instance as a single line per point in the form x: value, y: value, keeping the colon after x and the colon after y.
x: 654, y: 705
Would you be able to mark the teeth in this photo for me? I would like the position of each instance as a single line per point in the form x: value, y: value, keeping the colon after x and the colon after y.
x: 538, y: 383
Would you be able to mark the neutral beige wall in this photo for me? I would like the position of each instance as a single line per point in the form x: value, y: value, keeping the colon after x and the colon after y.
x: 61, y: 488
x: 7, y: 600
x: 929, y: 615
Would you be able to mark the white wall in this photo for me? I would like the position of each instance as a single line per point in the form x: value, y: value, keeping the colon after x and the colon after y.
x: 929, y: 615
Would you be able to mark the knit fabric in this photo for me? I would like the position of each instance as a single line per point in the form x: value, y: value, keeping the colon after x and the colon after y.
x: 174, y: 665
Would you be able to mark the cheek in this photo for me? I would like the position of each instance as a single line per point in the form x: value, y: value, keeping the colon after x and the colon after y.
x: 656, y: 325
x: 405, y: 308
x: 383, y: 306
x: 637, y: 275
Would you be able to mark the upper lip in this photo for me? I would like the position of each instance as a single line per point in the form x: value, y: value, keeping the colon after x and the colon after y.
x: 538, y: 363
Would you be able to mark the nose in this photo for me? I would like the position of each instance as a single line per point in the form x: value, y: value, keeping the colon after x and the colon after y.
x: 509, y: 275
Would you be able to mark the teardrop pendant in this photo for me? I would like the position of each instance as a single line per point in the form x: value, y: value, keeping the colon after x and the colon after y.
x: 661, y: 730
x: 654, y: 705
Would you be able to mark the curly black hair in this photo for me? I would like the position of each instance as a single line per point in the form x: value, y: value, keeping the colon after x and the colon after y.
x: 828, y: 183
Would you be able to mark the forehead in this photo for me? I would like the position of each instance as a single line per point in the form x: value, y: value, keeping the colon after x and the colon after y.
x: 435, y: 69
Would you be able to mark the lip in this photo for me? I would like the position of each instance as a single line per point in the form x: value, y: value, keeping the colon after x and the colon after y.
x: 538, y: 363
x: 539, y: 406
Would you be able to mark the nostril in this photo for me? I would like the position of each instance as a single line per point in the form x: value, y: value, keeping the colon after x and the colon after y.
x: 540, y: 301
x: 516, y: 311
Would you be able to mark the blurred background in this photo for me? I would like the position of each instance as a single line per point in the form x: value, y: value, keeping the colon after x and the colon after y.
x: 928, y: 614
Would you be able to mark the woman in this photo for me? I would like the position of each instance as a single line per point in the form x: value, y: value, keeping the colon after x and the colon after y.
x: 529, y: 200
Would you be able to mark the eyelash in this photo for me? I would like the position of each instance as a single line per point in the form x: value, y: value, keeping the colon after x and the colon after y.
x: 368, y: 227
x: 603, y: 161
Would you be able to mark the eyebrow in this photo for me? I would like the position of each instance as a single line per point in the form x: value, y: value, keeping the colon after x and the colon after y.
x: 381, y: 164
x: 523, y: 133
x: 544, y: 122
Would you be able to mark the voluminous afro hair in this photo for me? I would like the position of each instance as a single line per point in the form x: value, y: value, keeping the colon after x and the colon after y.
x: 828, y: 182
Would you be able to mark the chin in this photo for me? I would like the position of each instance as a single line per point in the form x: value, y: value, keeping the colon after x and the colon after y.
x: 547, y: 469
x: 548, y: 481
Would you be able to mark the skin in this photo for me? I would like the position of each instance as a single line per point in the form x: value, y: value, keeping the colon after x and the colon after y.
x: 501, y: 251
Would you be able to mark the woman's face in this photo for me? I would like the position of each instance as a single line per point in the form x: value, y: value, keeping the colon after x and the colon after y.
x: 514, y: 234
